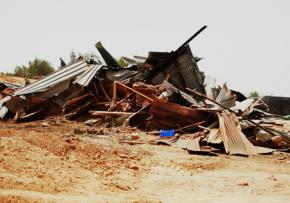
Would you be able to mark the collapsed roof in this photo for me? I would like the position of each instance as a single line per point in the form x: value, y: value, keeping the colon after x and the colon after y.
x: 156, y: 92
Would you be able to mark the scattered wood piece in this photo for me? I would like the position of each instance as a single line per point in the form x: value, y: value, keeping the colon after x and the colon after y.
x: 244, y: 184
x: 133, y: 142
x: 110, y: 113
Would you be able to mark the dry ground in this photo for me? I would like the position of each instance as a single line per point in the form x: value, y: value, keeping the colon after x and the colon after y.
x: 54, y: 164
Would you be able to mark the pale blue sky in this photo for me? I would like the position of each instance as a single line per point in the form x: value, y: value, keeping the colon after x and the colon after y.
x: 247, y: 43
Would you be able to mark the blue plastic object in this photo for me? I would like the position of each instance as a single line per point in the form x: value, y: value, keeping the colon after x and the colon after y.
x: 167, y: 133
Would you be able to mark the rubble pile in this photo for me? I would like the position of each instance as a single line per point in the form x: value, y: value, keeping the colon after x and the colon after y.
x: 164, y: 93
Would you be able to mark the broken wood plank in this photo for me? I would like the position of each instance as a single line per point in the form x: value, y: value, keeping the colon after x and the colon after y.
x: 132, y: 142
x: 110, y: 113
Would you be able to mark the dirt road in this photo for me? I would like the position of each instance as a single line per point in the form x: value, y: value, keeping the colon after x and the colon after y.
x: 56, y: 164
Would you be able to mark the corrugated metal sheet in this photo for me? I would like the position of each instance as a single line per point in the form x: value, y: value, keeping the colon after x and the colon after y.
x: 188, y: 67
x: 243, y: 106
x: 234, y: 140
x: 214, y: 136
x: 175, y: 76
x: 187, y: 97
x: 86, y: 77
x: 68, y: 72
x: 226, y: 97
x: 183, y: 72
x: 174, y: 114
x: 191, y: 142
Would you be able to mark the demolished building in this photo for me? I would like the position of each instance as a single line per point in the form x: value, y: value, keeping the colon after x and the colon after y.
x: 151, y: 93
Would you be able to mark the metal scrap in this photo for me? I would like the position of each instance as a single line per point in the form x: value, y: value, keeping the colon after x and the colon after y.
x: 66, y: 73
x: 151, y: 93
x: 235, y: 142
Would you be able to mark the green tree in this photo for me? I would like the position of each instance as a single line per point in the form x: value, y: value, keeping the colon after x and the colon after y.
x: 21, y: 71
x: 37, y: 67
x: 254, y: 94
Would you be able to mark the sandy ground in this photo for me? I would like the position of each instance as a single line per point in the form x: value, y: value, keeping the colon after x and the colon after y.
x: 57, y: 164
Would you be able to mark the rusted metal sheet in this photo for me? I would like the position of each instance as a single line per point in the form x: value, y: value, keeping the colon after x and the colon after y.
x: 176, y: 115
x: 148, y: 90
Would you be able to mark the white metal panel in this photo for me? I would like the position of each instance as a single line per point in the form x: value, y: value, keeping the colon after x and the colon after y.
x: 68, y: 72
x: 86, y: 77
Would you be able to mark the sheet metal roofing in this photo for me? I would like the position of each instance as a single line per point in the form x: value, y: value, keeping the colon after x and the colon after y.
x: 68, y: 72
x: 86, y: 77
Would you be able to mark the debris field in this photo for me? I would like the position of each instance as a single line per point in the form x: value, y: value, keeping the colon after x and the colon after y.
x: 104, y: 131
